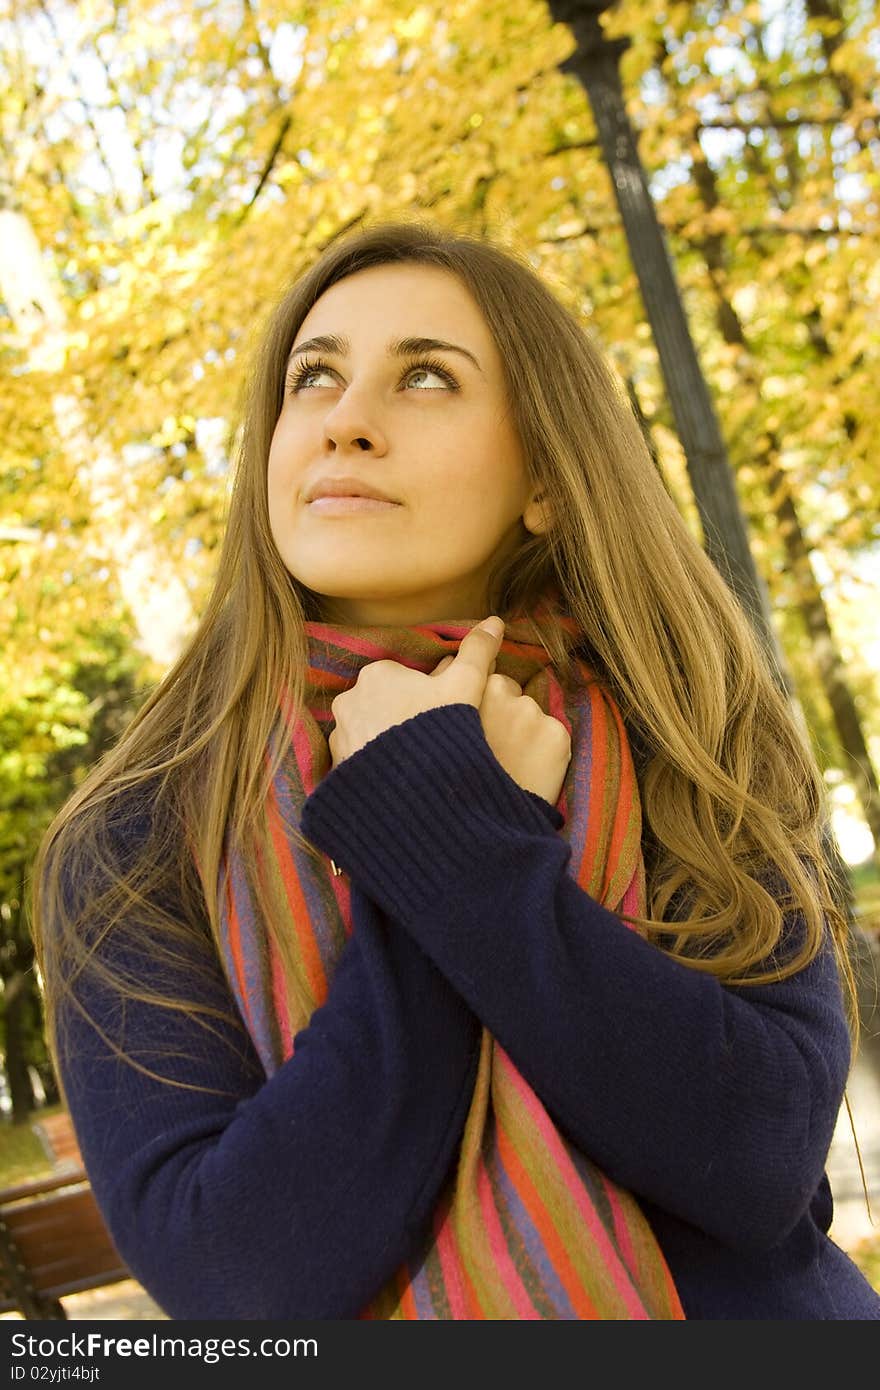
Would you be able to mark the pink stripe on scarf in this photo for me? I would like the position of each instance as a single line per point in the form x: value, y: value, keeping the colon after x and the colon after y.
x: 507, y: 1271
x: 452, y: 1274
x: 304, y: 759
x: 322, y: 633
x: 630, y: 902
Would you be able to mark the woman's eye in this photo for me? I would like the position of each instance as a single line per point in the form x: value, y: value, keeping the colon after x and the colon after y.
x: 301, y: 373
x: 433, y: 369
x: 301, y: 377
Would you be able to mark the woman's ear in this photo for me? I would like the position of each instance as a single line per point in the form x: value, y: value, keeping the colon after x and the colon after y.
x: 536, y: 517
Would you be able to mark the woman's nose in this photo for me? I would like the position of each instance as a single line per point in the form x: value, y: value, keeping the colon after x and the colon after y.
x: 354, y: 420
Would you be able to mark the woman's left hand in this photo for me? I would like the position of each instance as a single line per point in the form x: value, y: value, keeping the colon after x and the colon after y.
x: 386, y: 693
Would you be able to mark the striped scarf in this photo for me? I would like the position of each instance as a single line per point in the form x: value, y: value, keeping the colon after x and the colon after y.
x: 526, y: 1227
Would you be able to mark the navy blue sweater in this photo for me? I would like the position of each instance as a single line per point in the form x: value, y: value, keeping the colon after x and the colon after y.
x: 300, y: 1195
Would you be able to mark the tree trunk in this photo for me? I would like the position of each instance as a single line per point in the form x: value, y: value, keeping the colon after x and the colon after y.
x: 15, y: 1011
x: 725, y: 537
x: 829, y: 662
x: 765, y: 460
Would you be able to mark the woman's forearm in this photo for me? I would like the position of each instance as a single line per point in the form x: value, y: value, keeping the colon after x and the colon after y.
x: 628, y: 1049
x: 293, y: 1197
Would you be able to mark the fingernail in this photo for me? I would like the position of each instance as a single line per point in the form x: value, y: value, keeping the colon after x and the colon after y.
x: 494, y: 625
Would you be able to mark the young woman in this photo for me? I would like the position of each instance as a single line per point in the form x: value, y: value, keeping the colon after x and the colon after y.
x: 404, y: 965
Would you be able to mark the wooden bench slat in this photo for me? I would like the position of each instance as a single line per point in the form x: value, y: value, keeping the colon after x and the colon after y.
x: 61, y: 1249
x: 54, y: 1231
x: 40, y: 1185
x: 78, y: 1212
x: 65, y: 1275
x: 9, y: 1304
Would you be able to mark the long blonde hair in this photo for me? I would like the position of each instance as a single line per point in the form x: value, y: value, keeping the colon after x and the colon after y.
x: 728, y: 783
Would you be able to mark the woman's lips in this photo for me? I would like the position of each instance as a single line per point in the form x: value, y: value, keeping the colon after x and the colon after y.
x: 345, y: 506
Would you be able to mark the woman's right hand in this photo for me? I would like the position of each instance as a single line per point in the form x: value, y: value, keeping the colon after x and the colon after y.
x: 534, y: 748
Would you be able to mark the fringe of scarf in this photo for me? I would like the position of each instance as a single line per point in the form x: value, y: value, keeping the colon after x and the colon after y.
x: 526, y: 1226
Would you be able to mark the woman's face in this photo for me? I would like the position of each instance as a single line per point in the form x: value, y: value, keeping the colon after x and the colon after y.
x: 438, y: 441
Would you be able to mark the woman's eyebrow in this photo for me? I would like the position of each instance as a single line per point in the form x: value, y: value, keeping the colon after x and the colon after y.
x: 400, y: 347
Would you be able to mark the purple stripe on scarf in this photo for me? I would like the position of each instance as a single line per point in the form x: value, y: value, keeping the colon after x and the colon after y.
x: 577, y: 783
x: 252, y: 992
x: 420, y: 1288
x: 328, y: 935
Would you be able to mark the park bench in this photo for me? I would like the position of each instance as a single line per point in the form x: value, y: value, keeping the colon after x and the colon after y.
x: 53, y: 1240
x: 58, y: 1137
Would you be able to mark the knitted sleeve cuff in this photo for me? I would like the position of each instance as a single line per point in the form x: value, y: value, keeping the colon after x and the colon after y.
x: 410, y: 808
